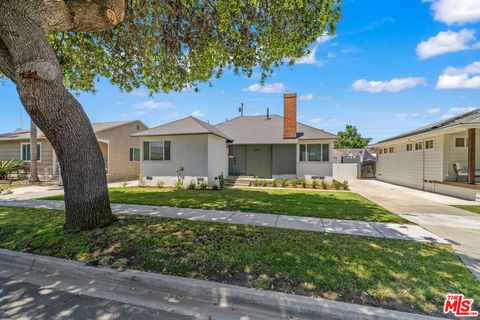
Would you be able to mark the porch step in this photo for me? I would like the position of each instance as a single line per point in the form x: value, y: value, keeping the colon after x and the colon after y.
x: 240, y: 181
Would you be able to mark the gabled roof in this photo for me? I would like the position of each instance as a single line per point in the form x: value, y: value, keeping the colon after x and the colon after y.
x: 188, y: 125
x: 472, y: 117
x: 260, y: 130
x: 97, y: 127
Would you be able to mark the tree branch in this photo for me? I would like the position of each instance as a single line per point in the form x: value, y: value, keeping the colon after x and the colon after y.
x: 6, y: 63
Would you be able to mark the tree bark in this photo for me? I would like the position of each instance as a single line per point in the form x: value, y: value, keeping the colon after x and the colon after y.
x: 33, y: 153
x: 29, y: 61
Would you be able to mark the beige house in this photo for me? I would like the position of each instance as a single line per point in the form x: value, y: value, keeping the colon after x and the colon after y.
x: 443, y: 157
x: 120, y: 150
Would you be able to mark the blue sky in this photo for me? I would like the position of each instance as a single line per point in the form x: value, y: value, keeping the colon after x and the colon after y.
x: 393, y: 66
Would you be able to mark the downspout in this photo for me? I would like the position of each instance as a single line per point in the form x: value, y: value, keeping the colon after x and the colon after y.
x: 423, y: 171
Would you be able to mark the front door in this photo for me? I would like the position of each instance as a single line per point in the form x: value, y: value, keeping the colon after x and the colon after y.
x: 237, y: 160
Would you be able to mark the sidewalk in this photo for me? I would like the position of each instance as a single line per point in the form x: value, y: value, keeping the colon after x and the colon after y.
x: 349, y: 227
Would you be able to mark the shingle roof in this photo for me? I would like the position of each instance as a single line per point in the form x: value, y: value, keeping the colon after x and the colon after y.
x: 465, y: 118
x: 260, y: 130
x: 25, y: 134
x: 188, y: 125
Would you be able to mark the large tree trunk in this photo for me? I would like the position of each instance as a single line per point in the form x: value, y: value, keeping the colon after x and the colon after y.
x: 33, y: 153
x: 28, y: 60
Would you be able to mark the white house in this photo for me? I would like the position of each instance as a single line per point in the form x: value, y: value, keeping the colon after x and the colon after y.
x: 443, y: 157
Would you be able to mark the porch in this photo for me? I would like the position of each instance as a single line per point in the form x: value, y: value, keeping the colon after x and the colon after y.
x: 462, y: 159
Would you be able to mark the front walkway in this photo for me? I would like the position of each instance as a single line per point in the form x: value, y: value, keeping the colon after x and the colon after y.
x: 349, y: 227
x: 433, y: 212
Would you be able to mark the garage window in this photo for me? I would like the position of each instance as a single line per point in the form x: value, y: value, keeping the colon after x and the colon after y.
x: 429, y: 144
x: 418, y: 146
x: 409, y: 147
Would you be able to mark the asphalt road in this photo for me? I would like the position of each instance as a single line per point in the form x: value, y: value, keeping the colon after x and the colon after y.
x: 19, y: 300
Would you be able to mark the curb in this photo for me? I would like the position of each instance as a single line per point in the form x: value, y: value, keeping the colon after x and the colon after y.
x: 207, y: 295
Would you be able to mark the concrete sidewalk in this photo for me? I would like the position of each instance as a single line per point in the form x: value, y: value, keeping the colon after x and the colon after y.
x: 349, y: 227
x: 433, y: 212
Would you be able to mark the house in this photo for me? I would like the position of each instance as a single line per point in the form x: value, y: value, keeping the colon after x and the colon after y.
x: 442, y: 157
x: 267, y: 146
x: 120, y: 150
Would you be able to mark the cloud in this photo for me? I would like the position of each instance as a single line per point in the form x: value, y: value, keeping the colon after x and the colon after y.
x: 306, y: 97
x: 310, y: 58
x: 465, y: 78
x: 405, y: 116
x: 394, y: 85
x: 140, y: 93
x: 433, y: 110
x: 197, y: 114
x: 276, y: 87
x: 324, y: 38
x: 456, y: 11
x: 153, y: 105
x: 452, y: 112
x: 447, y: 41
x: 315, y: 120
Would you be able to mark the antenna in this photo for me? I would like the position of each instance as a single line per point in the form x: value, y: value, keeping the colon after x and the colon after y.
x: 268, y: 113
x: 21, y: 121
x: 241, y: 109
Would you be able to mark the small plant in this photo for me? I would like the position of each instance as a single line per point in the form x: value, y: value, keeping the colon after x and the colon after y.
x: 203, y: 185
x: 178, y: 185
x: 345, y: 185
x: 221, y: 180
x: 294, y: 182
x: 304, y: 182
x: 337, y: 185
x: 215, y: 187
x: 191, y: 185
x: 274, y: 183
x: 264, y: 183
x: 124, y: 183
x: 314, y: 183
x: 141, y: 181
x: 160, y: 184
x: 284, y: 183
x: 256, y: 183
x: 324, y: 184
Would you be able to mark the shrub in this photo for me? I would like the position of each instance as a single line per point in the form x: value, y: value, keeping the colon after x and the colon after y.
x: 345, y: 185
x: 256, y: 183
x: 274, y: 183
x: 9, y: 166
x: 324, y: 184
x: 314, y: 183
x: 264, y: 183
x: 160, y: 183
x: 215, y: 187
x: 221, y: 180
x: 178, y: 185
x: 304, y: 182
x: 284, y: 183
x: 141, y: 181
x: 337, y: 185
x: 203, y: 185
x: 294, y: 182
x: 191, y: 185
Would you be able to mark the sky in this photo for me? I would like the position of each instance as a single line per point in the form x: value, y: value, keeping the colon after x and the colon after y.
x: 392, y: 66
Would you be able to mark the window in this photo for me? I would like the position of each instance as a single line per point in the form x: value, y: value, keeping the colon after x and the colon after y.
x: 380, y: 151
x: 25, y: 152
x: 409, y: 147
x: 385, y: 150
x: 390, y: 150
x: 134, y: 154
x: 418, y: 146
x: 156, y: 150
x: 460, y: 142
x: 429, y: 144
x: 314, y: 152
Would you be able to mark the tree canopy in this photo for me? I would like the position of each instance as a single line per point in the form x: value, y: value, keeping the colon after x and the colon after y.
x: 173, y: 45
x: 351, y: 139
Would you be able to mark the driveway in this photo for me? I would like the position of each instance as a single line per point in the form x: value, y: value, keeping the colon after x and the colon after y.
x: 433, y: 212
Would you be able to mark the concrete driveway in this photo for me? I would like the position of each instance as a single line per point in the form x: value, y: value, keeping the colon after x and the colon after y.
x: 433, y: 212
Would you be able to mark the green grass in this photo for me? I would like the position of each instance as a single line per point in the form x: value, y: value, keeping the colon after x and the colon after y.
x: 324, y: 204
x: 403, y: 275
x: 475, y: 209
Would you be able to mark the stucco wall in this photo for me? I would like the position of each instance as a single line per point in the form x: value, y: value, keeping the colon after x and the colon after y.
x: 315, y: 168
x: 217, y: 158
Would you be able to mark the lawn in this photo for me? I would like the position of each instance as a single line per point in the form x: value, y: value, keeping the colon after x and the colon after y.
x: 323, y: 204
x: 475, y: 209
x: 403, y: 275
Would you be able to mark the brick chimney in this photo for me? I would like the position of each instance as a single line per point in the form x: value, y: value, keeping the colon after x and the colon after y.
x: 290, y: 116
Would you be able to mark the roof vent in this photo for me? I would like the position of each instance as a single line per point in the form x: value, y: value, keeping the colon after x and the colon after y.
x: 268, y: 113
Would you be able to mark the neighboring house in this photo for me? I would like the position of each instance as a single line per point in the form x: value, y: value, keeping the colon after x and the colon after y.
x: 120, y: 150
x: 264, y: 146
x: 441, y: 157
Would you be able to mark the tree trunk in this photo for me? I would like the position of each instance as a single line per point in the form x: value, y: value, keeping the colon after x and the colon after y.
x: 33, y: 153
x: 28, y: 60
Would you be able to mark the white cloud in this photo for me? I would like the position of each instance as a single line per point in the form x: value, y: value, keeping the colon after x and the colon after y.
x: 465, y: 78
x: 153, y: 105
x: 276, y: 87
x: 324, y: 38
x: 456, y: 111
x: 447, y: 41
x: 405, y: 116
x: 306, y: 97
x: 394, y: 85
x: 140, y: 93
x: 433, y: 110
x: 456, y: 11
x: 310, y: 58
x: 197, y: 114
